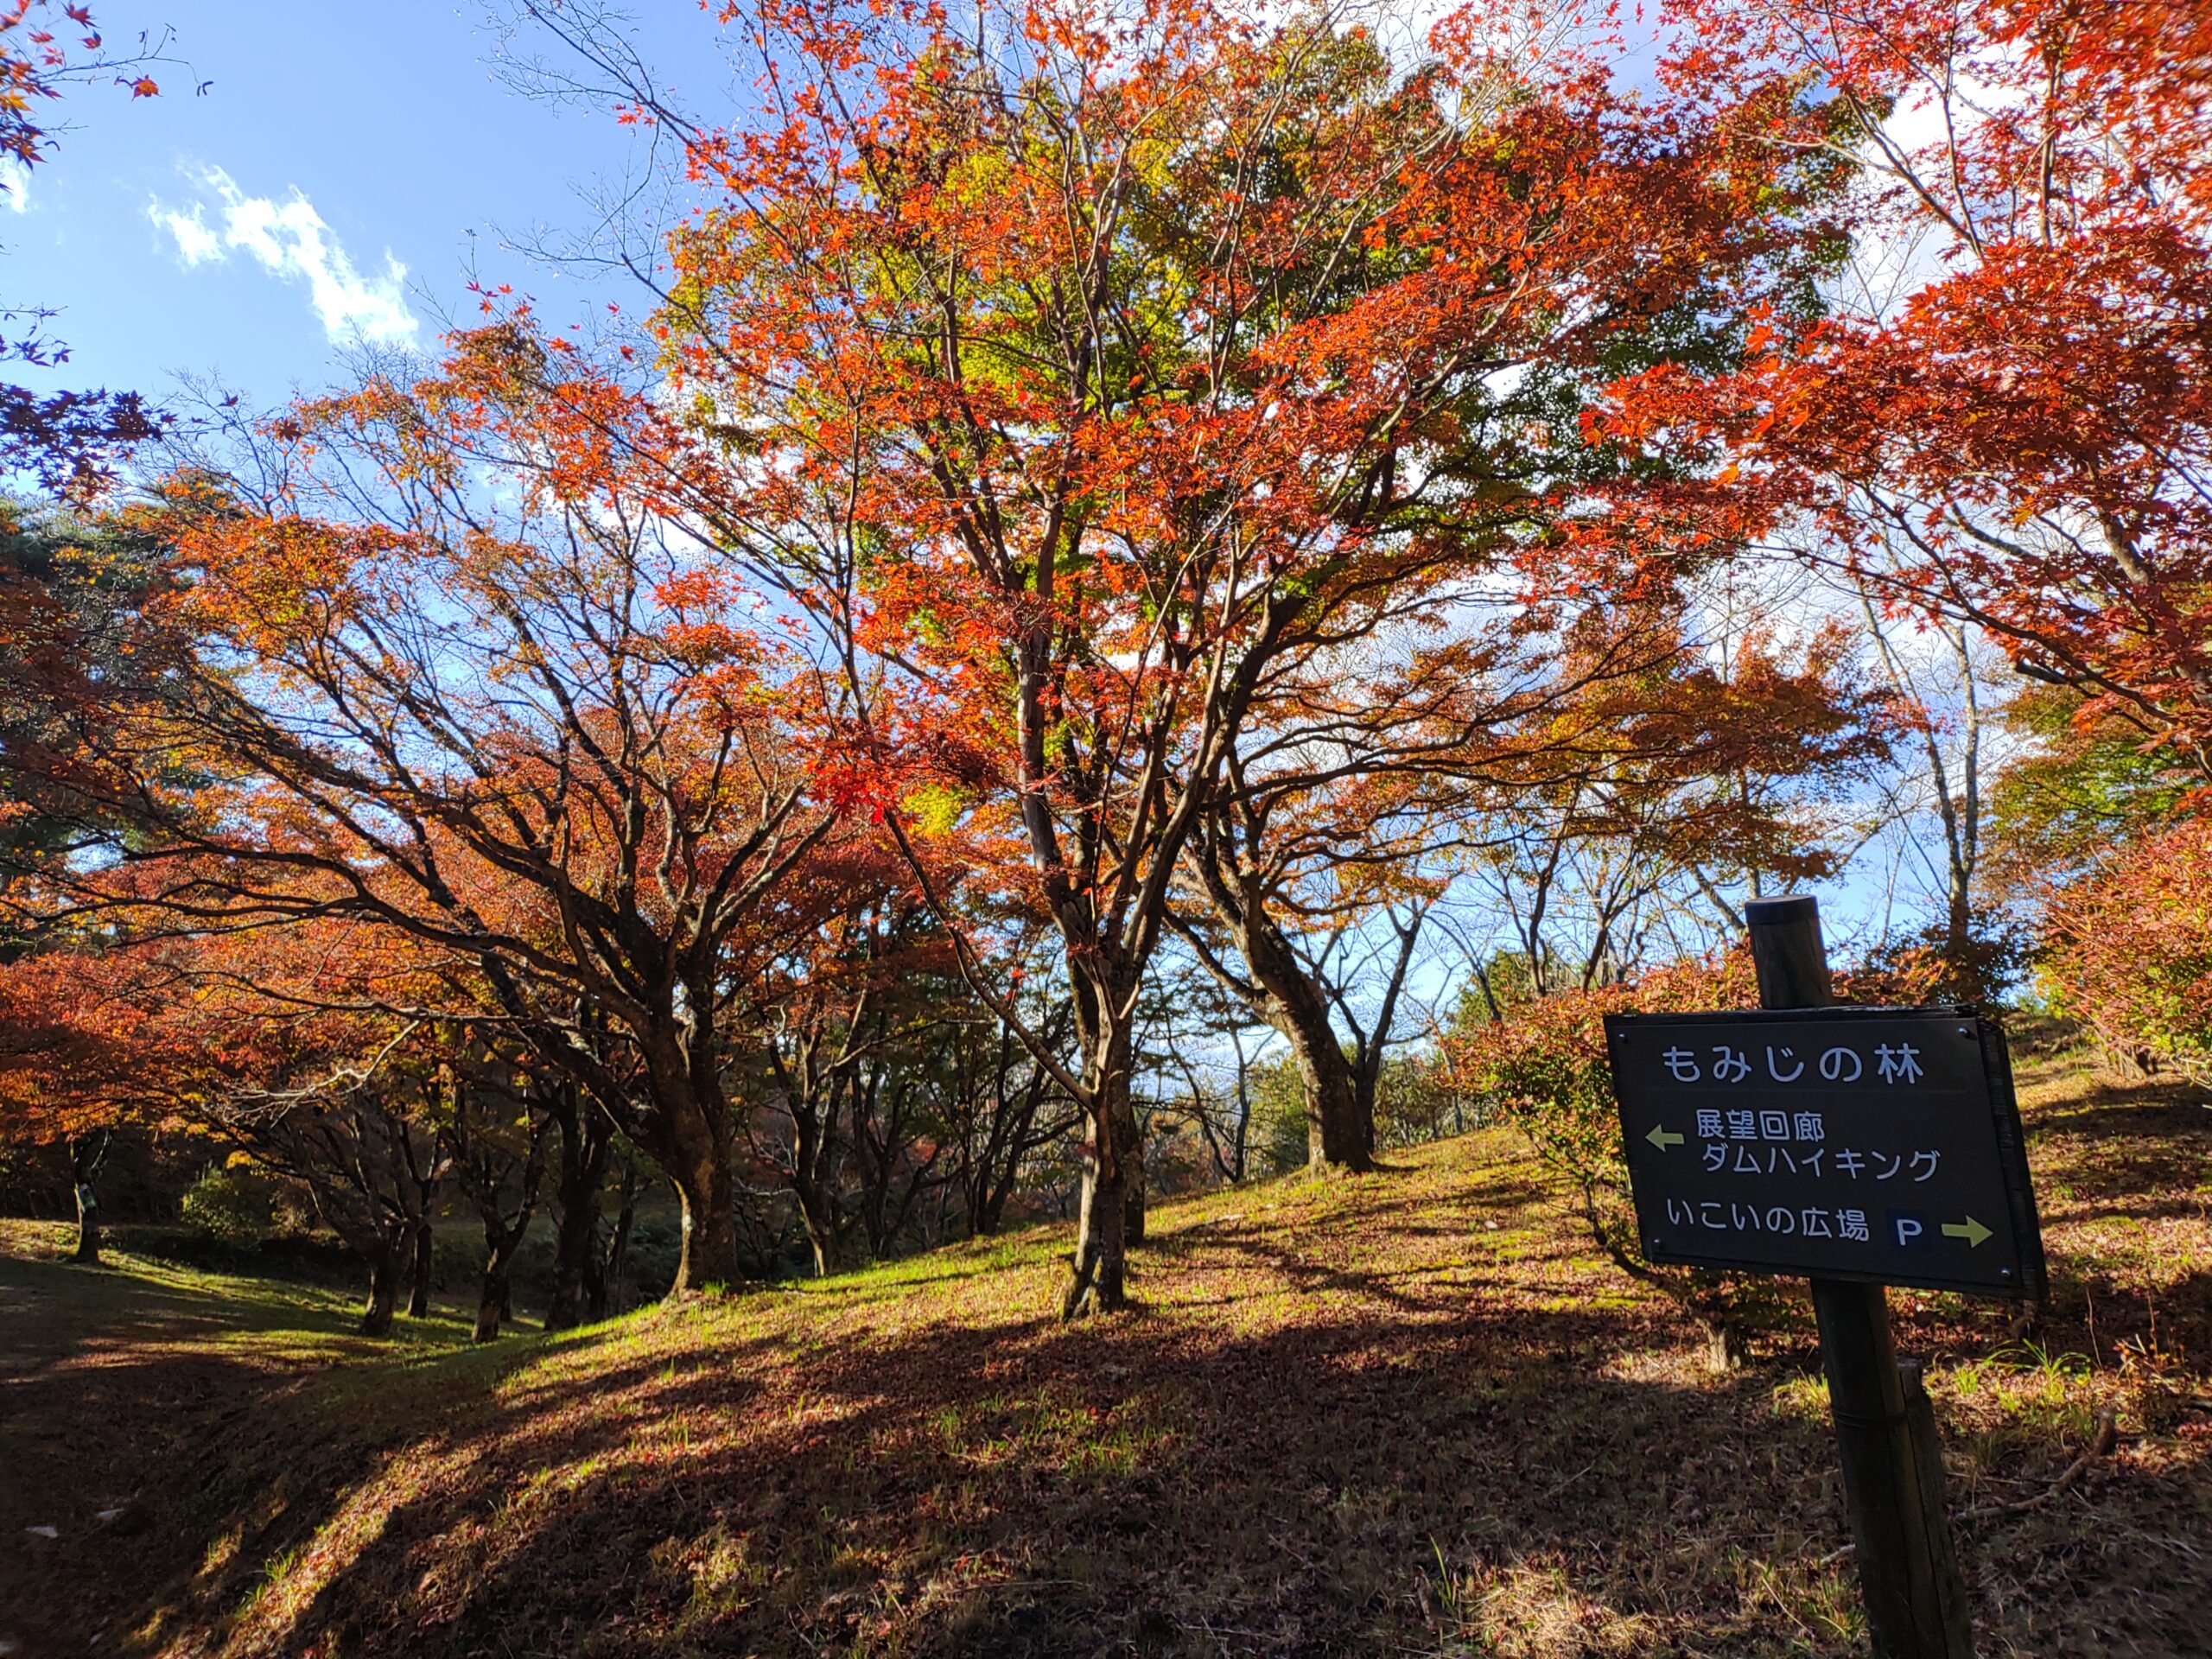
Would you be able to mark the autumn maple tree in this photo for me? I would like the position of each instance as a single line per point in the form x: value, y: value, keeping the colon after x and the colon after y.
x: 445, y: 672
x: 2129, y: 951
x: 72, y: 1053
x: 1355, y: 793
x: 2003, y: 416
x: 62, y: 587
x: 1082, y: 371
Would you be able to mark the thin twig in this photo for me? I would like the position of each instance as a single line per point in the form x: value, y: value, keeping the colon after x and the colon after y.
x: 2099, y: 1443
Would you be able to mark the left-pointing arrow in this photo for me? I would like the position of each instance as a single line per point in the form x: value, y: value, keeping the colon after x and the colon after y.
x: 1973, y: 1231
x: 1663, y: 1140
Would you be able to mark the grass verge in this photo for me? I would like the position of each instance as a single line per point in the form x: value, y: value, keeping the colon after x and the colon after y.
x: 1409, y: 1413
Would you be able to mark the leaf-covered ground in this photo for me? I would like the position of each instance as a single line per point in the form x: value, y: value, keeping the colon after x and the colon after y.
x: 1405, y: 1414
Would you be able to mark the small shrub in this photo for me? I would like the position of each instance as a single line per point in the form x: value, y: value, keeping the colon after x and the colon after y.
x: 1416, y: 1101
x: 2128, y: 952
x: 1544, y: 1068
x: 233, y: 1205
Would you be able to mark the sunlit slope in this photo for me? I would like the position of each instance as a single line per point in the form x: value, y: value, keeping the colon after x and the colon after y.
x: 1404, y: 1412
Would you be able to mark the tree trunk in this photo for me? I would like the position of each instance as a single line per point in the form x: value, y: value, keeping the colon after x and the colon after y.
x: 1727, y: 1347
x: 575, y: 1241
x: 1335, y: 1134
x: 1968, y: 975
x: 708, y: 1261
x: 1099, y: 1282
x: 383, y: 1289
x: 605, y: 1284
x: 824, y: 1248
x: 1129, y: 1136
x: 86, y: 1154
x: 418, y: 1299
x: 586, y: 1147
x: 988, y: 1210
x: 1002, y: 1162
x: 502, y: 1241
x: 816, y: 1210
x: 491, y: 1302
x: 88, y: 1226
x: 1283, y: 991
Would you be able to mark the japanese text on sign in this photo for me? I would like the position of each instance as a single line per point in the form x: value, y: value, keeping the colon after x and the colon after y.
x: 1868, y: 1143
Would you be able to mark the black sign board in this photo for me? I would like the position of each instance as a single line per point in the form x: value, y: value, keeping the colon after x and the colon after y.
x: 1875, y: 1144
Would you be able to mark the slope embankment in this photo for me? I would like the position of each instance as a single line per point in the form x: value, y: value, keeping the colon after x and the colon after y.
x: 1407, y: 1412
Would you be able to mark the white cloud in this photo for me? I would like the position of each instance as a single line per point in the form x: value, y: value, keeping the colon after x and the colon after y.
x: 14, y: 185
x: 289, y: 239
x: 196, y: 243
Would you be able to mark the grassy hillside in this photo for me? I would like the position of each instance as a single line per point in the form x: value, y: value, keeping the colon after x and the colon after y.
x: 1400, y: 1414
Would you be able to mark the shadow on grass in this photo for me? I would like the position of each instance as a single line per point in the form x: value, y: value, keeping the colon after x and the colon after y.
x: 110, y: 1374
x: 131, y: 1298
x: 2141, y: 1151
x: 1377, y: 1435
x: 1082, y: 1485
x: 2122, y: 1171
x: 1338, y: 1487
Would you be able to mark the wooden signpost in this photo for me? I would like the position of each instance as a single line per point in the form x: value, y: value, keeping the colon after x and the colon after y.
x: 1860, y: 1147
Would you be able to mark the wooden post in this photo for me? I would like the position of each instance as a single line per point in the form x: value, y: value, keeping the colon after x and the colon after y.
x: 1892, y: 1468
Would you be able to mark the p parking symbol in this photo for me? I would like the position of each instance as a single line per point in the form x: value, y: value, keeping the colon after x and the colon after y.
x: 1910, y: 1229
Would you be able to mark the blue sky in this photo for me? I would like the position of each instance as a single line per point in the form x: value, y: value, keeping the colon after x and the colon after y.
x: 345, y: 168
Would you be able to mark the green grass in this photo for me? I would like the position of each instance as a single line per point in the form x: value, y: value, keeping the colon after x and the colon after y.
x: 140, y: 1299
x: 1408, y: 1413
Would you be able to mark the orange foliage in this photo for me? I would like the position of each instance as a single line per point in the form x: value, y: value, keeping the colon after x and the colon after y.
x: 2129, y: 949
x: 2025, y: 440
x: 452, y: 681
x: 1105, y: 381
x: 70, y: 1049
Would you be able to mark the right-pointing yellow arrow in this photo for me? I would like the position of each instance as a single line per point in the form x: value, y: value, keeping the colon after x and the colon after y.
x: 1973, y: 1232
x: 1663, y: 1138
